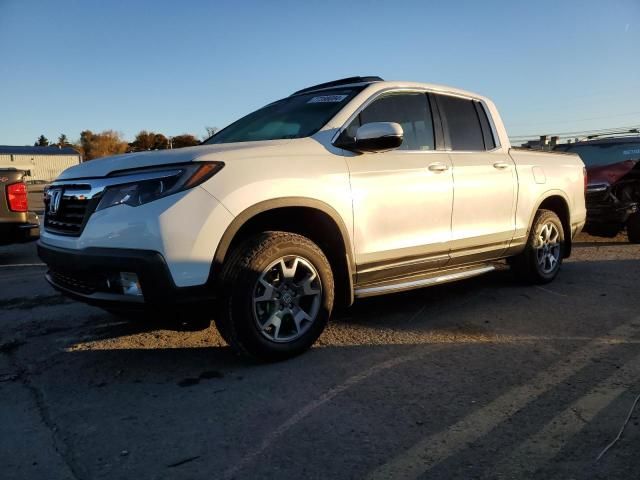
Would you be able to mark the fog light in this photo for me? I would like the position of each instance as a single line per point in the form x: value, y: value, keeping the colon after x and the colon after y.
x: 130, y: 284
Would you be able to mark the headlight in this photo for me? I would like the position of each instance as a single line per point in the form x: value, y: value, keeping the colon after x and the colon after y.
x: 160, y: 184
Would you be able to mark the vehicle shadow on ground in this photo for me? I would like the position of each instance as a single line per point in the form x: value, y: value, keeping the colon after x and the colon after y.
x: 186, y: 387
x: 369, y: 311
x: 613, y: 243
x: 463, y: 312
x: 18, y: 253
x: 422, y: 360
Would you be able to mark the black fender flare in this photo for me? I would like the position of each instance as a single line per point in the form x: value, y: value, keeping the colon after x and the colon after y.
x: 282, y: 202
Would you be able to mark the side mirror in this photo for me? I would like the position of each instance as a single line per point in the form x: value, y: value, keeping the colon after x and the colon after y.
x: 374, y: 137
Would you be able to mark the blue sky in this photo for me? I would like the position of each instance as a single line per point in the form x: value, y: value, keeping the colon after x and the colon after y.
x: 176, y: 67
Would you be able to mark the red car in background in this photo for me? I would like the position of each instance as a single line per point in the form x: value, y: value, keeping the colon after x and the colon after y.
x: 613, y: 189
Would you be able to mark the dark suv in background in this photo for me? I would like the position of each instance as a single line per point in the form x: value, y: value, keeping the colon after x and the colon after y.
x: 613, y: 190
x: 17, y: 223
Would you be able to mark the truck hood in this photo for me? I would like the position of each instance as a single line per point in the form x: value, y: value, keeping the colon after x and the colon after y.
x: 102, y: 167
x: 611, y: 173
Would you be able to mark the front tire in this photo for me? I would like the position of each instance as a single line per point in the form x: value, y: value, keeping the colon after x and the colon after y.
x: 542, y: 257
x: 277, y: 296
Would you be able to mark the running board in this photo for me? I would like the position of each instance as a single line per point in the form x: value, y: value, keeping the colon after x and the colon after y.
x: 403, y: 284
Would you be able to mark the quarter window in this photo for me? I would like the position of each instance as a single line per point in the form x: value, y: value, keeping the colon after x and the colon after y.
x: 487, y: 134
x: 465, y: 132
x: 410, y: 110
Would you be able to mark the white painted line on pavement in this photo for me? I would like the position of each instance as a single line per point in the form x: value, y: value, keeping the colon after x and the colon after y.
x: 538, y: 449
x: 435, y: 448
x: 546, y: 290
x: 324, y: 398
x: 16, y: 265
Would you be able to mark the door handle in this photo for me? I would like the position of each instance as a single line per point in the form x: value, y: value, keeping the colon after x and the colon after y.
x: 438, y: 167
x: 501, y: 165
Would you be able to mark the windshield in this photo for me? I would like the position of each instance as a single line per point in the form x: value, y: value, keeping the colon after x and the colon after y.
x: 605, y: 154
x: 292, y: 117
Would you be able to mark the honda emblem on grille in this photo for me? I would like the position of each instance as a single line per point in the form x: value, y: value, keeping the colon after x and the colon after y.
x: 55, y: 196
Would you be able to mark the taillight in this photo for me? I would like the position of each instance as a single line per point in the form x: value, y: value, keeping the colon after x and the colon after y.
x: 584, y: 173
x: 17, y: 197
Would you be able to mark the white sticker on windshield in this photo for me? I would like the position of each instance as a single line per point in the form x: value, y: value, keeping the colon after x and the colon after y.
x: 327, y: 99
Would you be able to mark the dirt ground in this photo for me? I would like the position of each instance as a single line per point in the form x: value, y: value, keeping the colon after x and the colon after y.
x: 485, y: 378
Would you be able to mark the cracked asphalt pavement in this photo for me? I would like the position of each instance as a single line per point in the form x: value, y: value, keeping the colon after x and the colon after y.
x: 484, y: 378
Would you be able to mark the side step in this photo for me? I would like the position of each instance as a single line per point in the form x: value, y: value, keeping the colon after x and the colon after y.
x: 434, y: 278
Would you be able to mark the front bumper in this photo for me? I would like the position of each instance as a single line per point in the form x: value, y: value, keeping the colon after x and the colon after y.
x: 607, y: 219
x: 88, y: 275
x: 606, y: 213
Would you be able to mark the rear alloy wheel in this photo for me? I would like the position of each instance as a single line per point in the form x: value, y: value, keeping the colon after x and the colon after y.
x: 633, y: 227
x: 548, y: 248
x: 277, y: 296
x: 542, y: 257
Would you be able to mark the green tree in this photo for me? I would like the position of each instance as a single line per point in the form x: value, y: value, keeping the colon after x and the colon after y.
x: 63, y: 141
x: 184, y: 140
x: 148, y: 141
x: 41, y: 142
x: 96, y: 145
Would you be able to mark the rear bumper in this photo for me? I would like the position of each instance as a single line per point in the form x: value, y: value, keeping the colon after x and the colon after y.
x: 20, y: 232
x: 88, y: 275
x: 576, y: 228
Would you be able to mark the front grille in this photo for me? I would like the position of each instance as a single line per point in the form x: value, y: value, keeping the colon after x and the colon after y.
x: 596, y: 198
x: 73, y: 209
x: 85, y: 284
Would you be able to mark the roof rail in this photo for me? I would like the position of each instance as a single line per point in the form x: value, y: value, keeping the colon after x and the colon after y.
x: 342, y: 81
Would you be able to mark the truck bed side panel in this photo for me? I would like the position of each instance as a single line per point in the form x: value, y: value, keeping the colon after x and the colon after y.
x: 542, y: 175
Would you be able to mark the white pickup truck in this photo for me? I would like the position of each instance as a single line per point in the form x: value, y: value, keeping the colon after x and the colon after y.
x: 347, y: 189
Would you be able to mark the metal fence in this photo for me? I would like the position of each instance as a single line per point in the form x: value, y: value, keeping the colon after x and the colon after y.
x: 43, y: 168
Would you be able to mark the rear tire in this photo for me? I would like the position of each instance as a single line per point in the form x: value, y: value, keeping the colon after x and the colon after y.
x: 633, y: 227
x: 542, y: 257
x: 277, y: 296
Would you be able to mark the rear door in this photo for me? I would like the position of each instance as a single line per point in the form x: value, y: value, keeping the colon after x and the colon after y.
x: 402, y: 199
x: 485, y: 182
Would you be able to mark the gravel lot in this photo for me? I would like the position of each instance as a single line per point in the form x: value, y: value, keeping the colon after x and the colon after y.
x: 485, y: 378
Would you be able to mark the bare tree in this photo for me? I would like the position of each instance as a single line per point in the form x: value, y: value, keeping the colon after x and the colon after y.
x: 211, y: 131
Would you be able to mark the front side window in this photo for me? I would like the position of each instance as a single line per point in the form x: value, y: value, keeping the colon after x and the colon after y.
x: 410, y: 110
x: 465, y: 132
x: 297, y: 116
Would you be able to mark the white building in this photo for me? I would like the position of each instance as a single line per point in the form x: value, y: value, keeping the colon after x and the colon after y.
x: 43, y: 164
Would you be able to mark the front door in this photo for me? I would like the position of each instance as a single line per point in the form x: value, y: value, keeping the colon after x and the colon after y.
x: 402, y: 199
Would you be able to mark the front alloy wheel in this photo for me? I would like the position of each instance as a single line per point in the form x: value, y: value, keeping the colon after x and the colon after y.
x: 277, y: 295
x: 287, y: 299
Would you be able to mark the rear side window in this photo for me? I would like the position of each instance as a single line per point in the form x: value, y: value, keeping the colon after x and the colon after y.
x: 410, y: 110
x: 489, y: 141
x: 465, y: 132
